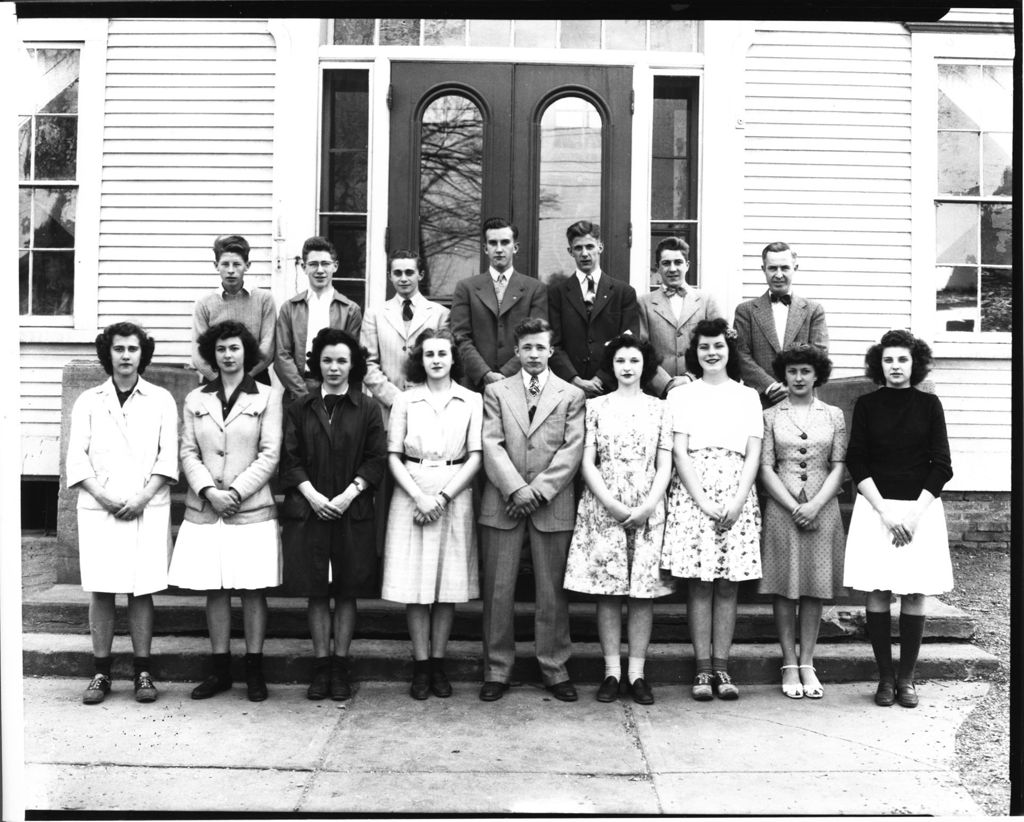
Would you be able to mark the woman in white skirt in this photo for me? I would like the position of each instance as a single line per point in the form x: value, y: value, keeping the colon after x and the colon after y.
x: 430, y: 555
x: 122, y: 455
x: 897, y: 544
x: 231, y: 442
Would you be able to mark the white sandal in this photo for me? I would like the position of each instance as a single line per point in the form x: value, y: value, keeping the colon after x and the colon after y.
x: 814, y: 690
x: 795, y: 691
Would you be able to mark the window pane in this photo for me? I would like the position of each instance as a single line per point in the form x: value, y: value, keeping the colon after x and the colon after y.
x: 349, y: 237
x: 998, y: 169
x: 347, y: 181
x: 996, y: 103
x: 53, y: 282
x: 345, y: 160
x: 674, y: 35
x: 670, y: 190
x: 451, y: 191
x: 958, y: 91
x: 54, y: 217
x: 958, y: 162
x: 996, y: 234
x: 535, y: 33
x: 403, y: 32
x: 493, y: 33
x: 24, y: 217
x: 349, y: 124
x: 688, y: 232
x: 355, y: 290
x: 625, y: 34
x: 25, y: 148
x: 570, y: 179
x: 23, y: 281
x: 444, y: 32
x: 956, y: 233
x: 354, y: 32
x: 57, y: 81
x: 996, y: 300
x: 956, y: 298
x: 56, y: 148
x: 581, y: 34
x: 673, y: 165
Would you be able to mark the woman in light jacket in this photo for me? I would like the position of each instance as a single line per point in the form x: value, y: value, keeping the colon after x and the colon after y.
x: 231, y: 442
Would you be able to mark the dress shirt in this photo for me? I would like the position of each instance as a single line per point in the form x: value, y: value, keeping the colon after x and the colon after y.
x: 319, y: 313
x: 582, y: 278
x: 542, y: 379
x: 780, y: 312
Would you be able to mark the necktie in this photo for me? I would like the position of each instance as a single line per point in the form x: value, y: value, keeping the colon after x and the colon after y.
x: 589, y: 294
x: 534, y: 392
x: 672, y: 290
x: 499, y: 287
x: 331, y: 402
x: 407, y: 309
x: 785, y: 299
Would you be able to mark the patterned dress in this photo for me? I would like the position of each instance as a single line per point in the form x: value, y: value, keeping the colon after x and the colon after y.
x: 719, y: 419
x: 605, y: 558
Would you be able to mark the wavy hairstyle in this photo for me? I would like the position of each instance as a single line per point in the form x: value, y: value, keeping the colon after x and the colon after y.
x: 920, y: 353
x: 627, y: 340
x: 712, y: 328
x: 414, y: 368
x: 803, y: 355
x: 105, y: 339
x: 207, y: 343
x: 336, y: 336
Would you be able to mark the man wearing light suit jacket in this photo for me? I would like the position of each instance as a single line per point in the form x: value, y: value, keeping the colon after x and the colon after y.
x: 669, y: 315
x: 532, y: 444
x: 774, y: 321
x: 486, y: 309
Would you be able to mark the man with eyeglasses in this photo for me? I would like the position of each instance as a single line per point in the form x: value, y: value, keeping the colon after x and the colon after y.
x: 302, y: 316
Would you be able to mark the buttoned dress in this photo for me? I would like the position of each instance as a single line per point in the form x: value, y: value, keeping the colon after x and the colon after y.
x: 437, y: 561
x: 121, y: 447
x: 797, y: 562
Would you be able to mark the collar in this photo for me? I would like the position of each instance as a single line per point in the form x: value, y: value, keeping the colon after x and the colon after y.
x: 140, y: 385
x: 417, y: 300
x: 542, y: 378
x: 787, y: 405
x: 301, y: 297
x: 243, y: 292
x: 247, y: 386
x: 508, y: 272
x: 421, y: 393
x: 681, y: 292
x: 582, y: 278
x: 328, y: 295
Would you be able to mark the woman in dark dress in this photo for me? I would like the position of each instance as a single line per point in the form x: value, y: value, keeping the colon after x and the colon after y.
x: 334, y: 456
x: 898, y: 544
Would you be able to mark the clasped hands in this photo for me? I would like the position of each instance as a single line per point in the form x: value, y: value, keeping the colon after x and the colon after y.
x: 429, y: 508
x: 630, y: 518
x: 724, y: 516
x: 126, y: 509
x: 901, y: 528
x: 330, y: 509
x: 523, y: 502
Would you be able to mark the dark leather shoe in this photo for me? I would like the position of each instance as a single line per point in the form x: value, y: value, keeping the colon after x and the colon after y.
x: 420, y: 688
x: 211, y: 686
x: 255, y: 684
x: 641, y: 692
x: 439, y: 684
x: 609, y: 690
x: 145, y: 690
x: 341, y: 687
x: 493, y: 691
x: 885, y: 694
x: 564, y: 691
x: 320, y: 687
x: 906, y: 694
x: 99, y: 687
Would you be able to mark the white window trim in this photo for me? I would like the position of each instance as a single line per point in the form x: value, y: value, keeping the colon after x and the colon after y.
x: 929, y: 48
x: 91, y: 36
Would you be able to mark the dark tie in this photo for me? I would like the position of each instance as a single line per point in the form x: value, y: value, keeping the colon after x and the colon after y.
x: 331, y: 402
x: 785, y: 299
x: 407, y: 309
x: 672, y: 290
x: 589, y: 294
x: 534, y: 392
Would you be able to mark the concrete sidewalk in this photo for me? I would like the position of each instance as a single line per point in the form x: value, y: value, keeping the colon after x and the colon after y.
x: 383, y: 752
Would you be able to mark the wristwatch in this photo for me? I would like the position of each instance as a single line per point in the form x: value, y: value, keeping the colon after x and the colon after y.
x: 360, y: 484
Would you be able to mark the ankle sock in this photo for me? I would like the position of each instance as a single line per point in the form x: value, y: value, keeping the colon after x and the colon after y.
x: 911, y: 633
x: 321, y: 663
x: 636, y: 668
x: 878, y: 626
x: 703, y: 666
x: 102, y: 665
x: 140, y: 664
x: 719, y: 664
x: 613, y: 666
x: 436, y: 663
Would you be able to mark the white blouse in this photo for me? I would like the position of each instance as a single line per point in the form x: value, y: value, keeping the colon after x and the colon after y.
x: 716, y: 416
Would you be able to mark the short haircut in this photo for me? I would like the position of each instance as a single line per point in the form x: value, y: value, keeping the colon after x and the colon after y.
x: 336, y: 336
x: 712, y: 328
x: 105, y: 339
x: 498, y: 222
x: 803, y: 355
x: 532, y: 325
x: 414, y: 370
x: 616, y: 344
x: 920, y: 353
x: 672, y: 244
x: 405, y: 254
x: 319, y: 244
x: 208, y: 340
x: 775, y: 248
x: 231, y: 243
x: 581, y: 228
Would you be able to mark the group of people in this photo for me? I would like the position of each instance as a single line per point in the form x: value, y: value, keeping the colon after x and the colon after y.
x: 625, y: 439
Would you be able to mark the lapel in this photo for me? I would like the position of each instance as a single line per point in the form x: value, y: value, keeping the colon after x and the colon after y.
x: 209, y: 400
x: 605, y: 286
x: 113, y: 407
x: 795, y: 319
x: 393, y: 314
x: 516, y: 394
x: 764, y: 317
x: 316, y: 405
x: 691, y: 303
x: 485, y: 291
x: 661, y: 307
x: 513, y: 292
x: 574, y: 296
x: 549, y: 399
x: 244, y: 401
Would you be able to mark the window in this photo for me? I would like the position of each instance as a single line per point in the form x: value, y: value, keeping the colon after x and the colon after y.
x: 48, y: 180
x: 973, y: 202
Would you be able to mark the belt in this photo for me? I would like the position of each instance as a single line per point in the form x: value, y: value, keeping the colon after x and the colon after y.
x: 435, y: 463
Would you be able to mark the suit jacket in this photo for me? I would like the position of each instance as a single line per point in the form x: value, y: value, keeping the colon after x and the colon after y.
x: 544, y: 454
x: 669, y: 336
x: 579, y: 335
x: 239, y: 452
x: 292, y: 332
x: 757, y: 342
x: 388, y: 344
x: 483, y: 332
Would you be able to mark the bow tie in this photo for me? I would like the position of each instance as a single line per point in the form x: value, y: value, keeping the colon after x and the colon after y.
x: 672, y: 290
x: 785, y: 299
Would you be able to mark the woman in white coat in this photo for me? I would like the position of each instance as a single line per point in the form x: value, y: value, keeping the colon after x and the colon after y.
x: 122, y: 455
x: 230, y: 446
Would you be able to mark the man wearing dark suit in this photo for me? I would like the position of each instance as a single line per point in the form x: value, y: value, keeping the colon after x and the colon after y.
x: 775, y: 320
x: 486, y: 309
x: 533, y: 444
x: 586, y: 310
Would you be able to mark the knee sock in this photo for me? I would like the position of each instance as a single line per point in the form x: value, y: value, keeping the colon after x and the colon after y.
x: 878, y: 627
x: 102, y: 665
x: 141, y: 664
x: 636, y: 668
x: 613, y: 666
x: 911, y: 632
x: 719, y: 664
x: 222, y: 665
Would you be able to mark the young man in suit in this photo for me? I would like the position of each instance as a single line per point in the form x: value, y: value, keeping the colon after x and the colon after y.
x: 486, y: 309
x: 302, y: 316
x: 533, y: 444
x: 587, y: 309
x: 775, y: 320
x: 669, y: 315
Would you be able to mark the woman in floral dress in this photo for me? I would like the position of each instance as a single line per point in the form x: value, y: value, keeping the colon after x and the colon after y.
x: 712, y: 531
x: 616, y: 548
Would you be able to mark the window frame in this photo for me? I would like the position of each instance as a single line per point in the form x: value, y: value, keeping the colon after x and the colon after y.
x: 90, y: 37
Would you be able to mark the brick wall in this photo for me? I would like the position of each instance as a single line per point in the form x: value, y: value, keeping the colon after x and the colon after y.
x: 978, y: 519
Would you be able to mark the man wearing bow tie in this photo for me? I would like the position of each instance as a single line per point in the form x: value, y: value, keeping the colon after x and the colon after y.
x: 775, y: 320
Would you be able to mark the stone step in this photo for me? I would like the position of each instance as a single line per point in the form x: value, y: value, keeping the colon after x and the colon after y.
x: 64, y: 609
x: 288, y: 660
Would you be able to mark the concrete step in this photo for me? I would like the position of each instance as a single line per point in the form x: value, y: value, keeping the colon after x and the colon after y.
x: 65, y: 609
x: 289, y: 660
